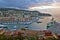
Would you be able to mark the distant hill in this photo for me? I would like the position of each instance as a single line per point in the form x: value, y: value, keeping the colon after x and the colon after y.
x: 6, y: 9
x: 40, y: 14
x: 43, y: 14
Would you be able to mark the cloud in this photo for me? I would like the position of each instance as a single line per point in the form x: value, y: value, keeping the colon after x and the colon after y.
x: 24, y: 3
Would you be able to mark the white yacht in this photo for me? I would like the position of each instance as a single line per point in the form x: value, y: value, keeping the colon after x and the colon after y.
x: 3, y: 27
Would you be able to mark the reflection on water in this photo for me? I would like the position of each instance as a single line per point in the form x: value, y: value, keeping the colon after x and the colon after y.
x: 41, y: 26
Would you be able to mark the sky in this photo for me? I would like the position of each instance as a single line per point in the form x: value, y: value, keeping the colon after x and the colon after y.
x: 24, y: 4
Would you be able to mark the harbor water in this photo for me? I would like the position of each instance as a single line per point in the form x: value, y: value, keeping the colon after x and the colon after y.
x: 33, y: 26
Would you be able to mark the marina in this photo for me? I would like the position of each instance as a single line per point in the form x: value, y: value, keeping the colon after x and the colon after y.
x: 23, y: 18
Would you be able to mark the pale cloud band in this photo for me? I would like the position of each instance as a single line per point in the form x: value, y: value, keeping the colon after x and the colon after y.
x: 26, y: 3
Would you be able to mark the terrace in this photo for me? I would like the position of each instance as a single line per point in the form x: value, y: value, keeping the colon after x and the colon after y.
x: 30, y: 34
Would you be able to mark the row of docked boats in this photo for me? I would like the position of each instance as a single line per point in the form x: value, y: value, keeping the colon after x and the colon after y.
x: 23, y: 23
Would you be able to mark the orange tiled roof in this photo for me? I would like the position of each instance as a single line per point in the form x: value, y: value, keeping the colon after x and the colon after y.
x: 48, y: 36
x: 8, y: 33
x: 2, y: 31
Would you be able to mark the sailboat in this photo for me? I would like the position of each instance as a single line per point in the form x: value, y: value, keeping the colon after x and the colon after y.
x: 39, y: 22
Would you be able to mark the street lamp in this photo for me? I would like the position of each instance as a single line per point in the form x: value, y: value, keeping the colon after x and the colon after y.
x: 26, y: 28
x: 15, y: 28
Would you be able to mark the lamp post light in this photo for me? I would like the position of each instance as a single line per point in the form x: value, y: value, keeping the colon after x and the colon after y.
x: 26, y: 28
x: 15, y: 27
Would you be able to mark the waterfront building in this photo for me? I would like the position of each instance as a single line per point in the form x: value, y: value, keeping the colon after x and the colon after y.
x: 23, y: 17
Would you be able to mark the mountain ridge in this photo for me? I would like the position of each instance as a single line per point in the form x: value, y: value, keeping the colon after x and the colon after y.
x: 40, y: 14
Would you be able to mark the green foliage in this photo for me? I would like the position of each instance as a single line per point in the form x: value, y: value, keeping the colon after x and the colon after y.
x: 23, y: 29
x: 19, y: 37
x: 50, y: 39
